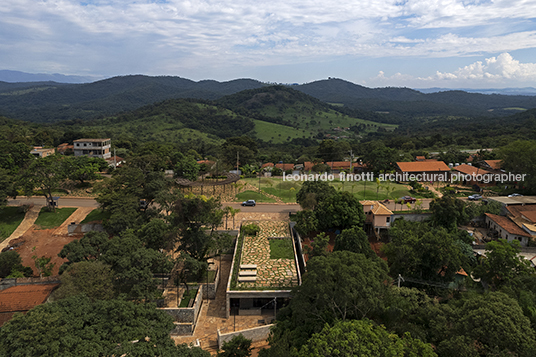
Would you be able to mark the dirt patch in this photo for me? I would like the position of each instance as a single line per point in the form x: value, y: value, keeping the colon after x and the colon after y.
x: 46, y: 244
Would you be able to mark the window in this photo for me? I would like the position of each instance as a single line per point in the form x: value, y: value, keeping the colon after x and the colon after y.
x: 388, y: 219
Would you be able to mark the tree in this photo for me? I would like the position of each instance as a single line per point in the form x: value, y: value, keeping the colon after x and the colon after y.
x: 11, y: 264
x: 519, y: 157
x: 319, y: 246
x: 91, y: 278
x: 420, y: 251
x: 187, y: 167
x: 354, y: 240
x: 502, y: 264
x: 313, y: 192
x: 195, y: 220
x: 340, y: 286
x: 488, y: 325
x: 341, y: 210
x: 306, y: 221
x: 84, y: 168
x: 7, y: 187
x: 362, y: 338
x: 238, y: 346
x: 90, y: 247
x: 43, y: 265
x: 134, y: 266
x: 77, y: 326
x: 330, y: 150
x: 45, y: 174
x: 448, y: 212
x: 379, y: 158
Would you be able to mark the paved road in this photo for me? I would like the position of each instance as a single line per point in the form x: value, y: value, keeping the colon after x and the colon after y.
x: 90, y: 202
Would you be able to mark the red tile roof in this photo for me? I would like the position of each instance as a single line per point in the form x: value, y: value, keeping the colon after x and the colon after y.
x: 308, y: 165
x: 508, y: 225
x: 268, y: 164
x: 339, y: 164
x: 494, y: 164
x: 423, y: 166
x: 529, y: 215
x: 285, y: 166
x: 471, y: 170
x: 517, y: 211
x: 420, y: 158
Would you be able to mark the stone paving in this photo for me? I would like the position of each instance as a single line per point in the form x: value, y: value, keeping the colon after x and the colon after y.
x: 271, y: 273
x: 212, y: 317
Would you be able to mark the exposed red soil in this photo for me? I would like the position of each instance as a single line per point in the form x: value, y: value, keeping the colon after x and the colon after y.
x: 46, y: 244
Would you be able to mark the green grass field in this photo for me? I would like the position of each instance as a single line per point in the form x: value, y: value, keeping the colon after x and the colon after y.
x: 277, y: 133
x: 96, y: 215
x: 48, y: 219
x: 287, y: 190
x: 10, y: 218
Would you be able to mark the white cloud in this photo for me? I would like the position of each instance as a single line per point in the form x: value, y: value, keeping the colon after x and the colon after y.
x: 500, y: 70
x: 176, y: 36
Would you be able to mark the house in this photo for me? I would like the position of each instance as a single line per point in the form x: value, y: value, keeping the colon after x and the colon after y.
x: 492, y: 164
x: 41, y: 152
x: 338, y: 166
x: 259, y: 284
x: 471, y: 175
x: 22, y: 298
x: 501, y: 227
x: 378, y: 216
x: 524, y: 216
x: 285, y: 167
x: 423, y: 171
x: 93, y: 147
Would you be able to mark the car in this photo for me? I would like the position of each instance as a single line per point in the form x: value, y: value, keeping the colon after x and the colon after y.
x: 409, y: 199
x: 474, y: 197
x: 249, y: 203
x: 515, y: 195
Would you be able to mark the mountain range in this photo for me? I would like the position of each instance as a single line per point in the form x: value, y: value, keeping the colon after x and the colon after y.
x: 53, y: 101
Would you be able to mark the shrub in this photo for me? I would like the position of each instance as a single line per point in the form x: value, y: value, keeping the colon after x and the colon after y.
x: 251, y: 229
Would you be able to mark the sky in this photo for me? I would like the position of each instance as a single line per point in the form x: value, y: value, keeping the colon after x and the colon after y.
x: 376, y: 43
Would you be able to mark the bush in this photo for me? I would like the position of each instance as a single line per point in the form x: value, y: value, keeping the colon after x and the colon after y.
x: 251, y: 229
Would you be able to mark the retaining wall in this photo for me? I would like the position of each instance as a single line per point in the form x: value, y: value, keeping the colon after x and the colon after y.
x: 254, y: 334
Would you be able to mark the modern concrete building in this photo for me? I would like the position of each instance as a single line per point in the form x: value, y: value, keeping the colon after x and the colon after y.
x: 93, y: 147
x: 259, y: 281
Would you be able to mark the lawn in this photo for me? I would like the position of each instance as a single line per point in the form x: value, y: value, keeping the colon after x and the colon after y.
x: 252, y: 195
x: 49, y: 219
x: 96, y: 215
x: 187, y: 296
x: 363, y: 190
x: 10, y: 218
x: 281, y: 249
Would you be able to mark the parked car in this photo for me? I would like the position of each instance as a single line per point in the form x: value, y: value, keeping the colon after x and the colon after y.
x: 515, y: 195
x: 249, y: 203
x: 474, y: 197
x: 409, y: 199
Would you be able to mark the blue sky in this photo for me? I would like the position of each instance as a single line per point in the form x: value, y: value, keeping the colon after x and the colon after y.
x: 376, y: 43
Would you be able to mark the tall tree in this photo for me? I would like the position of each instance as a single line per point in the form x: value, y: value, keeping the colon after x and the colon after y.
x: 362, y: 338
x: 45, y: 174
x: 79, y: 327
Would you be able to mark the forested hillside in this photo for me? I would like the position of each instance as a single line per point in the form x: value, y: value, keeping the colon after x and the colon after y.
x: 52, y: 102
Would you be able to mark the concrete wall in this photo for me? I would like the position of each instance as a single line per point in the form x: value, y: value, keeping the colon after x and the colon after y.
x: 412, y: 217
x: 211, y: 287
x: 254, y: 334
x: 186, y: 317
x: 84, y: 228
x: 7, y: 283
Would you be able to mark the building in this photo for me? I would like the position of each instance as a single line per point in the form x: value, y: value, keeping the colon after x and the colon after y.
x: 93, y: 147
x: 258, y: 282
x: 65, y: 148
x: 470, y: 175
x: 500, y: 227
x: 423, y: 171
x: 38, y: 151
x: 377, y: 216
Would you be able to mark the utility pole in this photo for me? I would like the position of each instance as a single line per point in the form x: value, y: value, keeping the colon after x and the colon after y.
x: 237, y: 160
